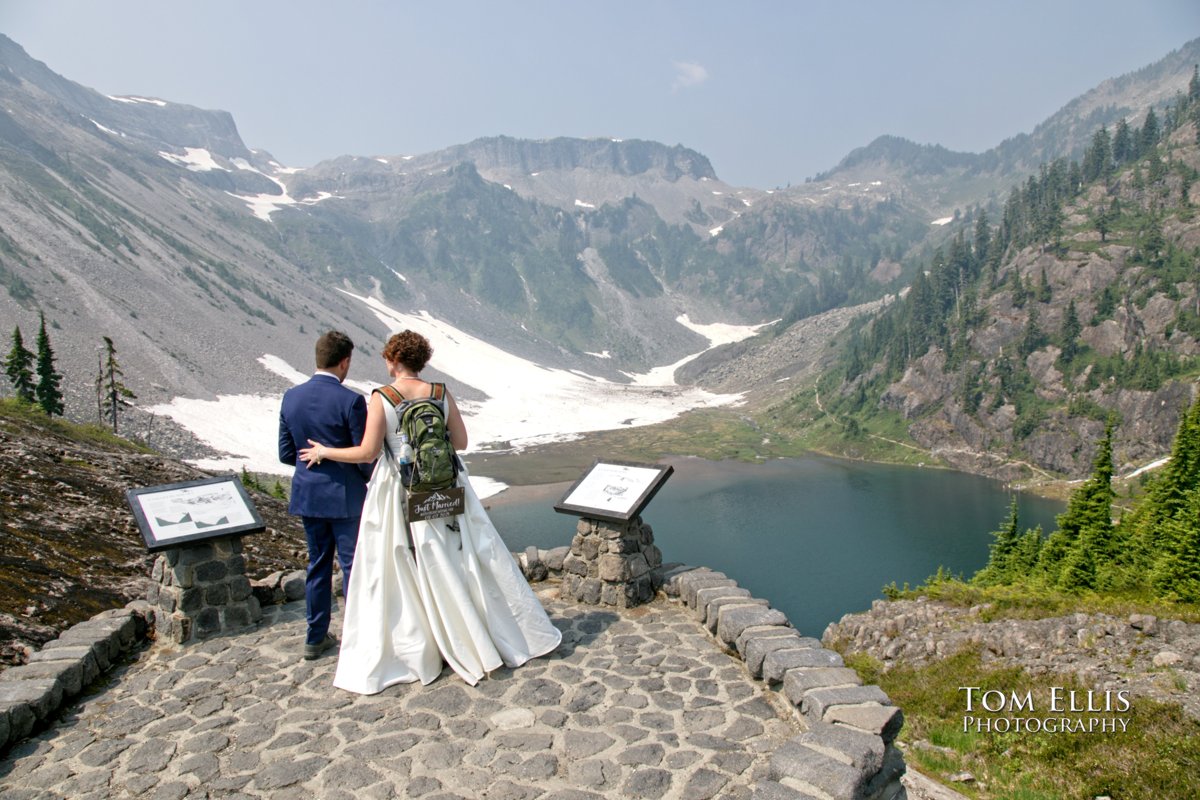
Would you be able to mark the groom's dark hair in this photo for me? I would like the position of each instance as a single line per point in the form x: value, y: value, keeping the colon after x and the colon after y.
x: 332, y: 348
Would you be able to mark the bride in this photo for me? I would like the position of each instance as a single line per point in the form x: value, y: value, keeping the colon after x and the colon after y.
x: 426, y: 591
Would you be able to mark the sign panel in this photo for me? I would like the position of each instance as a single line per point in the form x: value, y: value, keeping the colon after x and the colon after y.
x: 614, y: 490
x: 192, y: 511
x: 435, y: 505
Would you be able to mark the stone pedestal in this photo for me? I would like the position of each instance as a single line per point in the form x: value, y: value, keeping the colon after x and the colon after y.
x: 202, y: 590
x: 612, y: 564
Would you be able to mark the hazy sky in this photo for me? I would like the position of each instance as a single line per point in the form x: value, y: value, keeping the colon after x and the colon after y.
x: 771, y: 92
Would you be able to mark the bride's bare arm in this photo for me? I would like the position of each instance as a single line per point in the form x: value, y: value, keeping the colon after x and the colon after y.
x: 365, y: 452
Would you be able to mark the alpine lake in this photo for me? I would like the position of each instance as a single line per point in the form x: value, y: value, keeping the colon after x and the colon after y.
x: 817, y: 537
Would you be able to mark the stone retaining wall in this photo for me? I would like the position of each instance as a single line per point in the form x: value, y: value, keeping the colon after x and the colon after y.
x: 848, y: 749
x: 32, y: 694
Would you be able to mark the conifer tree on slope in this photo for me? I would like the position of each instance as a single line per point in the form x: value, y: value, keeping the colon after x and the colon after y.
x: 1176, y: 574
x: 49, y: 395
x: 1168, y: 494
x: 1085, y: 537
x: 18, y: 365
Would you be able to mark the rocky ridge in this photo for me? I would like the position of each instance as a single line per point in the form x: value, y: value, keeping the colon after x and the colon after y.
x: 71, y: 546
x: 1148, y: 656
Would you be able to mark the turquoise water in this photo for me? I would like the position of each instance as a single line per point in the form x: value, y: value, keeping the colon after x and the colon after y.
x: 817, y: 537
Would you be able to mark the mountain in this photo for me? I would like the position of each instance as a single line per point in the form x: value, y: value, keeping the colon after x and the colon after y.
x: 942, y: 181
x: 150, y: 222
x: 1025, y: 334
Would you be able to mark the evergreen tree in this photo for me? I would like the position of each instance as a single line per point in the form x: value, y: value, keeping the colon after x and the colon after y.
x: 1068, y: 338
x: 998, y: 570
x: 18, y: 365
x: 1168, y: 493
x: 109, y: 384
x: 1087, y: 528
x: 1123, y: 150
x: 1148, y: 138
x: 1176, y: 574
x: 1033, y: 338
x: 1044, y: 294
x: 1098, y: 159
x: 1024, y: 557
x: 49, y: 395
x: 1194, y: 84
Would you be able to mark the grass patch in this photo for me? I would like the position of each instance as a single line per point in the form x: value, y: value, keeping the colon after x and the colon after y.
x: 14, y: 411
x: 1025, y: 601
x: 1156, y: 756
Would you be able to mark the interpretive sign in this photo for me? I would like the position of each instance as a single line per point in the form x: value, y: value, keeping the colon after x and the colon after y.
x: 178, y: 513
x: 614, y: 490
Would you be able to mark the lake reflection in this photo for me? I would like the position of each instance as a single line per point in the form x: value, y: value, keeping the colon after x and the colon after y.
x: 817, y: 537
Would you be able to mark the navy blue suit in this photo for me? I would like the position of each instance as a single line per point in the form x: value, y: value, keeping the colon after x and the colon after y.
x: 329, y: 496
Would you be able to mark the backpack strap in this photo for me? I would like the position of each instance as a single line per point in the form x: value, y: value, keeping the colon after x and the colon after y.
x: 437, y: 391
x: 390, y: 394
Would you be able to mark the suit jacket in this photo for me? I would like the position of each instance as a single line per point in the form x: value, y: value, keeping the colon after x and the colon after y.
x: 327, y: 412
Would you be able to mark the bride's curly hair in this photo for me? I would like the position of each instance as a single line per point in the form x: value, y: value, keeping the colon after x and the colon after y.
x: 409, y: 348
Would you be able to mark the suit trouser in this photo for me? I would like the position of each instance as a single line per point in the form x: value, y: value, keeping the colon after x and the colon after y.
x: 325, y: 537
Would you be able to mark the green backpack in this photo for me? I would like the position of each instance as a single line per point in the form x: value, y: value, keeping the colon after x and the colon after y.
x: 434, y: 465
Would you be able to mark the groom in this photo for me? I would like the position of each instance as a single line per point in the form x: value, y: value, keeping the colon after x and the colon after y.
x: 329, y: 496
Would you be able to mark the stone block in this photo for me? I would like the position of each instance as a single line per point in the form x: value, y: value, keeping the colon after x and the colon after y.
x: 19, y: 717
x: 638, y: 566
x: 774, y: 790
x: 254, y: 609
x: 68, y: 674
x: 793, y: 760
x: 5, y: 729
x: 755, y: 648
x: 211, y: 571
x: 759, y: 632
x: 81, y: 654
x: 120, y: 624
x: 714, y: 608
x: 614, y: 568
x: 818, y: 701
x: 207, y: 622
x: 191, y: 600
x: 43, y: 696
x: 638, y: 591
x: 193, y: 554
x: 778, y: 662
x: 799, y: 682
x: 217, y: 594
x: 670, y: 575
x: 732, y: 620
x: 653, y: 555
x: 882, y: 721
x: 554, y: 558
x: 709, y: 593
x: 589, y: 591
x: 692, y: 582
x: 576, y: 565
x: 235, y: 616
x: 861, y: 750
x: 613, y: 594
x: 239, y: 588
x: 293, y: 585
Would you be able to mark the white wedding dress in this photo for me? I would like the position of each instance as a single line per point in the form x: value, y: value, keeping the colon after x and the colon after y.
x: 456, y: 595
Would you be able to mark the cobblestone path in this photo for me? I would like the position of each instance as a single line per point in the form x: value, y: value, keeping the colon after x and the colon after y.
x: 636, y: 704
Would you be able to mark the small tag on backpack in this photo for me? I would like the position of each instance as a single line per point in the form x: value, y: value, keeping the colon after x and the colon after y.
x: 423, y: 506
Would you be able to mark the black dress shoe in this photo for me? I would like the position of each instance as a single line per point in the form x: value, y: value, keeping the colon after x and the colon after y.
x: 312, y: 651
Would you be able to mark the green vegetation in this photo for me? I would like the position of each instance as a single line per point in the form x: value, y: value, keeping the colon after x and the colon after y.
x: 111, y: 392
x: 14, y: 411
x: 1157, y: 756
x: 48, y: 392
x: 18, y: 366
